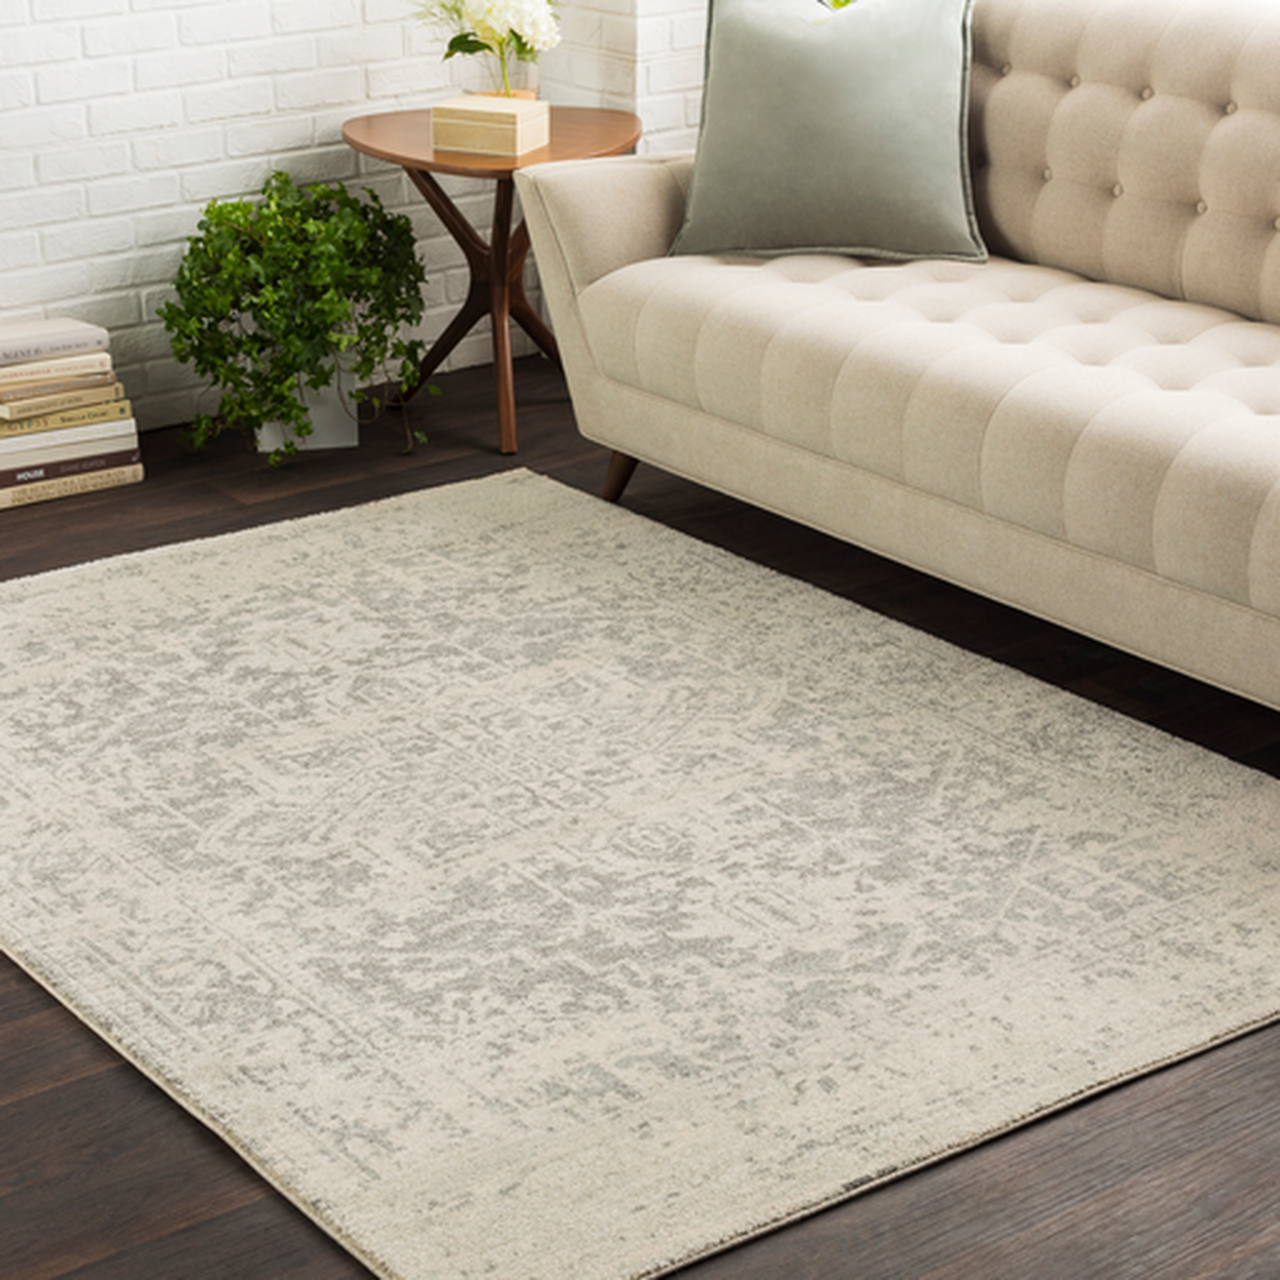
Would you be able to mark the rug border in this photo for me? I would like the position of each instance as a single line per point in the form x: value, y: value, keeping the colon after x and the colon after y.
x: 197, y: 1113
x: 882, y: 1179
x: 888, y: 1176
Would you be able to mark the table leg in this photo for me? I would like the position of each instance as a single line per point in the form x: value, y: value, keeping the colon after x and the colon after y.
x: 496, y: 290
x: 500, y: 313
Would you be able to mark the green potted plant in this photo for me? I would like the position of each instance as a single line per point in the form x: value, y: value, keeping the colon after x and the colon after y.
x: 285, y: 296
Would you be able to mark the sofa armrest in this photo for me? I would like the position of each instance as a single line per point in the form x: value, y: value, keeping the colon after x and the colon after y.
x: 587, y: 218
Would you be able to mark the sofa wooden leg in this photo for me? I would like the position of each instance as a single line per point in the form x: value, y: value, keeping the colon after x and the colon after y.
x: 621, y: 469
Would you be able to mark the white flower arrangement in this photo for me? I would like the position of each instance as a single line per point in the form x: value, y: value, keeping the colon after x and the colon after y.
x: 507, y: 29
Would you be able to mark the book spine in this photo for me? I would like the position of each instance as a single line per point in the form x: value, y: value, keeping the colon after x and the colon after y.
x: 24, y: 494
x: 12, y: 477
x: 21, y: 391
x: 113, y: 410
x: 25, y: 459
x: 50, y: 370
x: 19, y: 348
x: 53, y: 404
x: 20, y: 450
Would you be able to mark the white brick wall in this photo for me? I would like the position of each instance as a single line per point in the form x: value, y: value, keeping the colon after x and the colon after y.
x: 636, y: 55
x: 120, y: 119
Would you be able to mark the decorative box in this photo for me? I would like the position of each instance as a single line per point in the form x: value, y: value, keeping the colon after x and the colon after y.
x: 490, y: 124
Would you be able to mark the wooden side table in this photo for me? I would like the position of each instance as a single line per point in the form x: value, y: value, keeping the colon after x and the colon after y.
x: 496, y: 266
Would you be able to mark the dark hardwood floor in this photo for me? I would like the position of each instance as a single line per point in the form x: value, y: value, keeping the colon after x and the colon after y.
x: 1175, y: 1175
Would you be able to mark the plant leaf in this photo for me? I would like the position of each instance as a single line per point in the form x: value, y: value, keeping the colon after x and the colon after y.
x: 466, y: 42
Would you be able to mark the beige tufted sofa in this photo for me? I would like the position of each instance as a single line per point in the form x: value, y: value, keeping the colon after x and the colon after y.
x: 1087, y: 426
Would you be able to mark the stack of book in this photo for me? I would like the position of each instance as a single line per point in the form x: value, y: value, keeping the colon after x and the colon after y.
x: 65, y: 425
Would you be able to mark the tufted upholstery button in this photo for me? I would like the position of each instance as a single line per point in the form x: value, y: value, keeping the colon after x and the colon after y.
x: 1276, y: 224
x: 1004, y: 71
x: 1148, y: 93
x: 1201, y: 207
x: 1231, y: 108
x: 1047, y: 175
x: 1074, y: 82
x: 1117, y: 190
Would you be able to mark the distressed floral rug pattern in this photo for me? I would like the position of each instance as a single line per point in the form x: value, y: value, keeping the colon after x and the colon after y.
x: 530, y: 891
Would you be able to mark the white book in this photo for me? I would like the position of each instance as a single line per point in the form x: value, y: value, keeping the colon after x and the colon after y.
x: 91, y: 433
x: 58, y: 336
x: 55, y: 368
x: 118, y: 442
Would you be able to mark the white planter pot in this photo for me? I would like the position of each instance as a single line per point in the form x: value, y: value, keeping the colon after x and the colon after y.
x: 333, y: 420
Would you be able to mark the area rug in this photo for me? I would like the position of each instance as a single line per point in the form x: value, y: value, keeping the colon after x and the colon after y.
x: 530, y: 891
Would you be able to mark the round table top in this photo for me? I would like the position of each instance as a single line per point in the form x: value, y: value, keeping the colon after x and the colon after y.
x: 577, y: 133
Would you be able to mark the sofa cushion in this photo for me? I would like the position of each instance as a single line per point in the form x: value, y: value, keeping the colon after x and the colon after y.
x: 1140, y: 428
x: 1136, y: 141
x: 836, y: 129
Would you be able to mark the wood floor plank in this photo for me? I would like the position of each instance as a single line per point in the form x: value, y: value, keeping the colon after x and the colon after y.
x: 19, y: 996
x: 44, y: 1050
x: 255, y: 1242
x: 103, y: 1163
x: 1171, y: 1177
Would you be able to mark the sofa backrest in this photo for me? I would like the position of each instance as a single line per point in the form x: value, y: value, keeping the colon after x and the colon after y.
x: 1133, y: 141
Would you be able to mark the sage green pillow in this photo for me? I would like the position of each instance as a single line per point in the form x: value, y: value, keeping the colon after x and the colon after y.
x: 839, y: 130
